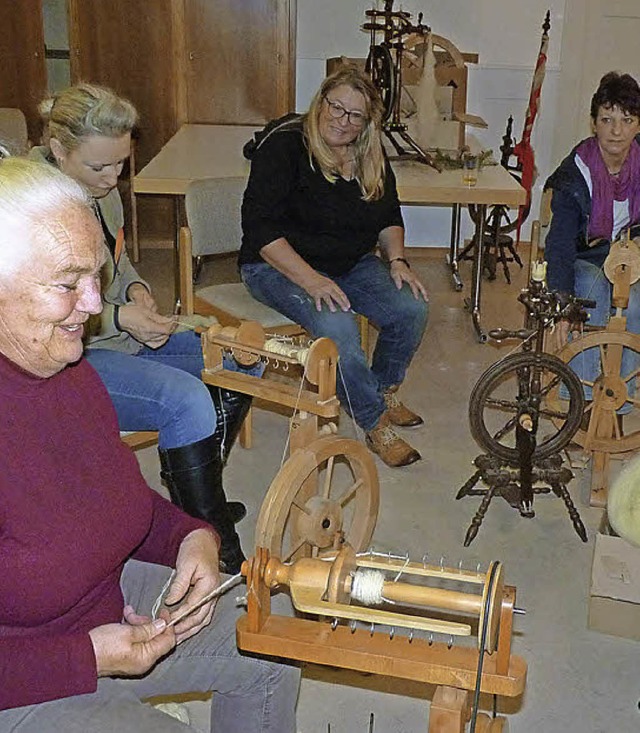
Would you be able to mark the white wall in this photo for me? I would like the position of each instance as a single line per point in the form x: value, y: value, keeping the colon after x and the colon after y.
x: 505, y: 34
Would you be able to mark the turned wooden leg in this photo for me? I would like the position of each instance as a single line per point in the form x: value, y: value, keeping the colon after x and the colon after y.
x: 449, y: 710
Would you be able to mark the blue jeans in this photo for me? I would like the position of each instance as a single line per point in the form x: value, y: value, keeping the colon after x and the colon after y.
x: 251, y: 694
x: 591, y: 282
x: 160, y: 389
x: 400, y: 318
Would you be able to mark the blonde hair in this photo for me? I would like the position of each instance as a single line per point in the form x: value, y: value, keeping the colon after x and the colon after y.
x: 85, y: 110
x: 32, y: 195
x: 369, y: 163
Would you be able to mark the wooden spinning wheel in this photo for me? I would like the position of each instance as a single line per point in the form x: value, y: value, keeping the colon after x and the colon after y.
x: 363, y: 595
x: 610, y: 391
x: 326, y: 494
x: 380, y: 66
x: 609, y: 380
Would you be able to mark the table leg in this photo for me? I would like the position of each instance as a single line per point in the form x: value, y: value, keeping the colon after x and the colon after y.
x: 452, y: 257
x: 476, y: 277
x: 178, y: 202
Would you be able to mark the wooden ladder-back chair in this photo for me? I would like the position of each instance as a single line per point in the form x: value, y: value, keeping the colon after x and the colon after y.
x: 213, y: 227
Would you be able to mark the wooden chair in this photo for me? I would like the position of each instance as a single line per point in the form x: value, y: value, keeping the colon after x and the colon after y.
x: 139, y: 439
x: 13, y: 130
x: 213, y: 227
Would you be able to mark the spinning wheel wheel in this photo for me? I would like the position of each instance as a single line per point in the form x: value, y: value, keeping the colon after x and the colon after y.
x: 326, y: 494
x: 511, y: 388
x: 380, y: 67
x: 610, y: 391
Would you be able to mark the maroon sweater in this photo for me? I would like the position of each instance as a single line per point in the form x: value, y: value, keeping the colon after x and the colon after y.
x: 73, y: 508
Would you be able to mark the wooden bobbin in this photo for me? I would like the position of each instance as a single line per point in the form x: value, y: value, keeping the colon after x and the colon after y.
x: 248, y: 333
x: 330, y: 583
x: 625, y: 253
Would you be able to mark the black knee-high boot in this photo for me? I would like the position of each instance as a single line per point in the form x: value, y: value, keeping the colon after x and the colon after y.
x: 231, y: 409
x: 193, y: 474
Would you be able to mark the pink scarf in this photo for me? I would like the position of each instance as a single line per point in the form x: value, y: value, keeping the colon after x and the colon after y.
x: 607, y: 188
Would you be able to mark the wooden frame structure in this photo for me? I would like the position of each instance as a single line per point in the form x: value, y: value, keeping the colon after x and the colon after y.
x: 325, y: 588
x: 603, y: 436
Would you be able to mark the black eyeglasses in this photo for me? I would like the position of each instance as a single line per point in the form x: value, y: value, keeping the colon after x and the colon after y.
x: 337, y: 111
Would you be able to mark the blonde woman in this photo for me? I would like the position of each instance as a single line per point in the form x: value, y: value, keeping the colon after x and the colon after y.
x: 321, y: 197
x: 151, y: 373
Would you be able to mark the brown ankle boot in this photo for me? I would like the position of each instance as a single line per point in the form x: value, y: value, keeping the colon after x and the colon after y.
x: 386, y: 443
x: 398, y: 413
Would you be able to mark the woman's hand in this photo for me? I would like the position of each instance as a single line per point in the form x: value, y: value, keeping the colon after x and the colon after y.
x: 138, y: 294
x: 196, y: 576
x: 126, y: 650
x: 323, y: 290
x: 145, y: 325
x: 401, y: 273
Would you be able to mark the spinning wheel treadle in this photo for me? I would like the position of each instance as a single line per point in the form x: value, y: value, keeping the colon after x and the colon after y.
x: 326, y: 494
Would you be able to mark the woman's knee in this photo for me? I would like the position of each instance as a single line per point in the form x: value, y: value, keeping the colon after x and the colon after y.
x: 186, y: 412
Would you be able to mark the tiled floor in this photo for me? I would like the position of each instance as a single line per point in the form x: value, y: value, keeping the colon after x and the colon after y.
x: 579, y: 681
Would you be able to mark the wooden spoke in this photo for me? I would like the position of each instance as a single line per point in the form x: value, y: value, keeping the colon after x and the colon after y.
x: 603, y: 433
x: 294, y: 549
x: 349, y: 492
x: 631, y: 375
x: 304, y: 516
x: 327, y: 478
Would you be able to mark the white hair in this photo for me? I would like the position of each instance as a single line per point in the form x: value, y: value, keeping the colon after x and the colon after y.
x: 32, y: 194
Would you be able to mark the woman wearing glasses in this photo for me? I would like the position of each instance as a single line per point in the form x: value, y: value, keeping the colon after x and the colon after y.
x: 321, y: 197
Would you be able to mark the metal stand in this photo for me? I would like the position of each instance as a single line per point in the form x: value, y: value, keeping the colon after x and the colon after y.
x: 472, y: 304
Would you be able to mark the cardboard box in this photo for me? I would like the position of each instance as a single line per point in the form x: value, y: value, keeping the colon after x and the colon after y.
x: 614, y: 599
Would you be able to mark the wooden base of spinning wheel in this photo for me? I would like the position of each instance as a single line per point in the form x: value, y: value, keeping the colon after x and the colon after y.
x: 453, y: 669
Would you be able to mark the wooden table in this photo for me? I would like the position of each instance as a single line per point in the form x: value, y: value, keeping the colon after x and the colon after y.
x: 420, y: 185
x: 203, y: 151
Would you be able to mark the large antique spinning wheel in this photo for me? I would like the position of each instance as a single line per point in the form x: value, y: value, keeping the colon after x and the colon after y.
x: 517, y: 385
x: 326, y: 494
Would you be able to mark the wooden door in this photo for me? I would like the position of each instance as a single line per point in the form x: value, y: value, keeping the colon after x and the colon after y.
x: 24, y: 73
x: 240, y: 60
x: 130, y: 46
x: 598, y: 36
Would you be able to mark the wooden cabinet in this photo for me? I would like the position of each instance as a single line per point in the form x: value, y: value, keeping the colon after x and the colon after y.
x: 24, y: 76
x: 240, y: 60
x: 207, y: 61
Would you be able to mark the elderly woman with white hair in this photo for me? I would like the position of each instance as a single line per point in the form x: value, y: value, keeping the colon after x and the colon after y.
x: 85, y: 545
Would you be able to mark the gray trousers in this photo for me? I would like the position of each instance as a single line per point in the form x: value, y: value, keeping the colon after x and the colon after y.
x: 251, y: 695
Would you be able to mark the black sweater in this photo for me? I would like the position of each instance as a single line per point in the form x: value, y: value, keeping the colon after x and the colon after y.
x: 327, y: 224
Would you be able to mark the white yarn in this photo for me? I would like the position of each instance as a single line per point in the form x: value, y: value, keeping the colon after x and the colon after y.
x: 275, y: 346
x: 425, y: 125
x: 367, y: 587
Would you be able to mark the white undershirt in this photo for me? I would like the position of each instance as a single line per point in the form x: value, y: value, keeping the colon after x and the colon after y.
x: 621, y: 217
